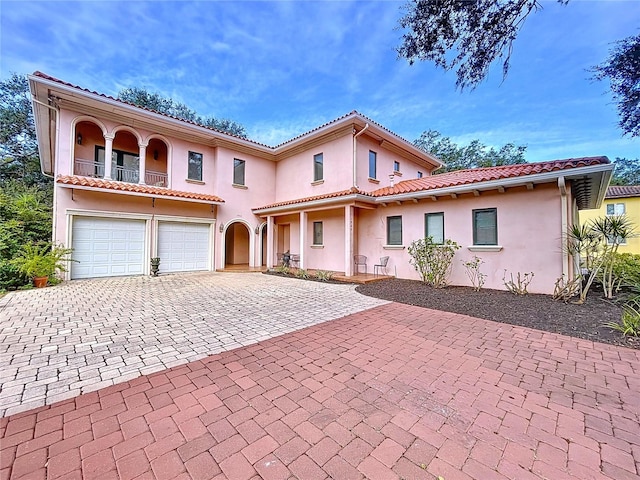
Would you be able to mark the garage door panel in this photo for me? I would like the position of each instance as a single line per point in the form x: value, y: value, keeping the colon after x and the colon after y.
x: 107, y: 247
x: 183, y: 247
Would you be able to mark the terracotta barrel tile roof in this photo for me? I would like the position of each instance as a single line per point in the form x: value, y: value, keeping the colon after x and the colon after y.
x: 295, y: 201
x: 476, y: 175
x: 623, y: 191
x: 134, y: 187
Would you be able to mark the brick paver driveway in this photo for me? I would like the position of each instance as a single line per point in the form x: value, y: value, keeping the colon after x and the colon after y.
x: 56, y: 343
x: 395, y: 392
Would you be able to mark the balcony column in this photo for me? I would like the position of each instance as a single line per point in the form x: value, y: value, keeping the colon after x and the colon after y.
x: 303, y: 238
x: 108, y: 153
x: 142, y: 163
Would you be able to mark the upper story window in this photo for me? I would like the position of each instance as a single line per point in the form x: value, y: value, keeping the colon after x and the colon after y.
x: 195, y: 166
x: 318, y: 167
x: 419, y: 174
x: 396, y: 166
x: 238, y: 171
x: 615, y: 209
x: 394, y: 230
x: 317, y: 233
x: 373, y: 160
x: 485, y: 226
x: 434, y: 227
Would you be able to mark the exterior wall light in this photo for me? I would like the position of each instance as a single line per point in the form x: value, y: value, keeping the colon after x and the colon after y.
x: 79, y: 139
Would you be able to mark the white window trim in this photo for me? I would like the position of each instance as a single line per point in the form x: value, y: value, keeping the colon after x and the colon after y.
x: 484, y: 248
x: 394, y: 247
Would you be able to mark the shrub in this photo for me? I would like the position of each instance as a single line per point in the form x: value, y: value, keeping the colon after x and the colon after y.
x: 630, y: 322
x: 302, y: 273
x: 520, y: 285
x: 324, y: 275
x: 283, y: 269
x: 472, y: 269
x: 432, y: 260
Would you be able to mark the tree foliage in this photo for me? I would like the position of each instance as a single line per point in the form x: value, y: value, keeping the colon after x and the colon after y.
x: 473, y: 155
x: 622, y: 69
x: 168, y: 106
x: 25, y: 218
x: 463, y: 35
x: 19, y: 159
x: 627, y: 172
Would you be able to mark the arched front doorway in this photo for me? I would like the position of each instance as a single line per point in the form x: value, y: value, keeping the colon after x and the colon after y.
x: 237, y: 245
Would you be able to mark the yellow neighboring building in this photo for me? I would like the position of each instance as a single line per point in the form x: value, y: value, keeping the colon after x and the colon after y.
x: 620, y: 200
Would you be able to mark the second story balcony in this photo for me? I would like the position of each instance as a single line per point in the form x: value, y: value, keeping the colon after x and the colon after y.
x: 120, y: 173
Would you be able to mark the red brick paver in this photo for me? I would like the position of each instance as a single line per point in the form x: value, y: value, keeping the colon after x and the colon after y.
x: 392, y: 392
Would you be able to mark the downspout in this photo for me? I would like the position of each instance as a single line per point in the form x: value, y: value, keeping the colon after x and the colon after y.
x: 356, y: 135
x: 564, y: 216
x: 34, y: 99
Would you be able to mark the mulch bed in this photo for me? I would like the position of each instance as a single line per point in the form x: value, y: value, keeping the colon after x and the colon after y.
x: 534, y: 311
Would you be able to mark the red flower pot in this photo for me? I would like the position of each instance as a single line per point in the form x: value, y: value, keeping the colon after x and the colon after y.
x: 40, y: 282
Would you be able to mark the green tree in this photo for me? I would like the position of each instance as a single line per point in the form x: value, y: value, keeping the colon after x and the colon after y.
x: 627, y: 172
x: 622, y: 68
x: 168, y: 106
x: 25, y: 218
x: 19, y: 159
x: 468, y: 36
x: 473, y: 155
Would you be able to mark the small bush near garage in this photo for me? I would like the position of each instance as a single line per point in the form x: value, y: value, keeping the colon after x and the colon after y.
x: 25, y: 218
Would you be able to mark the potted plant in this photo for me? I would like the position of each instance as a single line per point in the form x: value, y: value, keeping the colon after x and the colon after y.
x: 40, y: 262
x: 155, y: 266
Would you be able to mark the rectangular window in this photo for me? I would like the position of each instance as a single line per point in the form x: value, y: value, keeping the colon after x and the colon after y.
x: 394, y: 230
x: 373, y: 159
x: 238, y: 171
x: 615, y: 209
x: 485, y: 226
x: 396, y: 166
x: 317, y: 233
x: 434, y: 226
x: 195, y: 166
x: 419, y: 174
x: 317, y: 167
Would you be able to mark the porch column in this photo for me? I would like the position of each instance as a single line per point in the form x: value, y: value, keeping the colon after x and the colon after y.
x: 303, y: 237
x: 142, y: 163
x: 108, y: 153
x: 270, y: 241
x: 348, y: 240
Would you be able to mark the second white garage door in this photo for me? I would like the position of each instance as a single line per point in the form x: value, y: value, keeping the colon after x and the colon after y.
x: 183, y: 247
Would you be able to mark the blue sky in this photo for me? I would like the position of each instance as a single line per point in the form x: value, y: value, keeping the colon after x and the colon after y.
x: 282, y: 68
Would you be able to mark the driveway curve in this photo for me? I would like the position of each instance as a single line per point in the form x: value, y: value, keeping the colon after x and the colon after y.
x: 83, y: 335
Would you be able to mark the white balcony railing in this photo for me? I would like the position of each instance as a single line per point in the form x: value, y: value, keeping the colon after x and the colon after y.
x: 90, y: 168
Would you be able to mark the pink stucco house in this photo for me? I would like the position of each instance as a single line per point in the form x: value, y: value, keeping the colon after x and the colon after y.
x: 201, y: 199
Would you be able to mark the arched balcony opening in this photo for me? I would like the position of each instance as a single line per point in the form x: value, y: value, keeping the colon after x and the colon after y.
x: 125, y: 157
x: 157, y: 155
x: 87, y: 139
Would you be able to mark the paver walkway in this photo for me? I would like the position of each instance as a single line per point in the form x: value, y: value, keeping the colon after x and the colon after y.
x: 394, y: 392
x: 56, y: 343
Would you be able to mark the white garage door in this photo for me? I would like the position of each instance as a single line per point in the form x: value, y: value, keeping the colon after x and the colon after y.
x: 107, y: 247
x: 183, y: 247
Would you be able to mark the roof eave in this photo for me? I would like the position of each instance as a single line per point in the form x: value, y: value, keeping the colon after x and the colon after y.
x: 292, y: 207
x: 139, y: 194
x: 580, y: 172
x: 41, y: 117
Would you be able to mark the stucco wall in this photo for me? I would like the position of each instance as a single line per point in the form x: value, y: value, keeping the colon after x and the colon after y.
x: 529, y: 230
x: 632, y: 208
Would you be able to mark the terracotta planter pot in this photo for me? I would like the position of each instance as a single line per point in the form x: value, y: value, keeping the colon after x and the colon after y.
x: 40, y: 282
